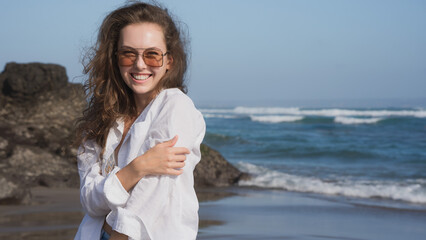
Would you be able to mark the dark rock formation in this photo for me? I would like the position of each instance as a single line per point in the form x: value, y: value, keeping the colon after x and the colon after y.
x: 38, y: 109
x: 26, y: 81
x: 37, y: 114
x: 213, y: 170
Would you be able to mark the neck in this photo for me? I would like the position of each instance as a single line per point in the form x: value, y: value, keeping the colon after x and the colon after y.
x: 142, y: 101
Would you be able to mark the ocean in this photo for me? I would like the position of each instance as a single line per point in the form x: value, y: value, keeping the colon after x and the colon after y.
x: 371, y: 155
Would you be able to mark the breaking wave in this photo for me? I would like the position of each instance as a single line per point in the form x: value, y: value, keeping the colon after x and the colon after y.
x: 413, y: 191
x: 283, y: 115
x: 331, y: 112
x: 276, y: 118
x: 348, y: 120
x: 420, y: 113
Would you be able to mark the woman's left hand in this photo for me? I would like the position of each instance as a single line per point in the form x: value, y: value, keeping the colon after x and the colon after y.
x: 162, y: 159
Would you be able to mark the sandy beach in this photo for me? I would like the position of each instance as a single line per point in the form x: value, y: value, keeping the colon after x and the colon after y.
x: 55, y: 213
x: 275, y: 214
x: 234, y: 213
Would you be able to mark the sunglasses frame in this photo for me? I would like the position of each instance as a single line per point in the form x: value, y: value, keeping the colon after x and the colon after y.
x: 136, y: 51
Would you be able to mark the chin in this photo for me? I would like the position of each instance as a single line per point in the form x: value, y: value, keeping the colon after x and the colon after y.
x: 143, y: 91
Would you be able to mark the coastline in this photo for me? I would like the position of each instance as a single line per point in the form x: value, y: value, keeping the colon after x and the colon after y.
x: 254, y: 213
x: 233, y: 213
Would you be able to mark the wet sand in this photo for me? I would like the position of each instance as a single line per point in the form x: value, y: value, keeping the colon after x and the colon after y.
x: 53, y: 214
x: 235, y: 213
x: 276, y: 214
x: 57, y: 213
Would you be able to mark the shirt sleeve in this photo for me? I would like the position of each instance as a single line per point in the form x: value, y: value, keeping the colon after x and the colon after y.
x: 165, y: 206
x: 98, y: 194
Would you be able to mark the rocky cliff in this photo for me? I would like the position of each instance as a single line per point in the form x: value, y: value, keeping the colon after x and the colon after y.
x: 37, y: 114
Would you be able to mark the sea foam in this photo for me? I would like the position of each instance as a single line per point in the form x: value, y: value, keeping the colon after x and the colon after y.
x: 281, y: 114
x: 276, y: 118
x: 348, y: 120
x: 332, y: 112
x: 413, y: 191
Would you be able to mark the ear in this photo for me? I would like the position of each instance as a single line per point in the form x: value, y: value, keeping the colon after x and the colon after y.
x: 169, y: 62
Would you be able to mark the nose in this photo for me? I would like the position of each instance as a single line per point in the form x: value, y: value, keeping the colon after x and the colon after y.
x: 140, y: 63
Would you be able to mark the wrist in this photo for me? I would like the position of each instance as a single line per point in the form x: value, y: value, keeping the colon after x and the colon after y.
x: 129, y: 176
x: 138, y: 167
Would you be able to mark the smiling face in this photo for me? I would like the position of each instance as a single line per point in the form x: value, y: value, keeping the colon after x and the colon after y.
x: 141, y: 78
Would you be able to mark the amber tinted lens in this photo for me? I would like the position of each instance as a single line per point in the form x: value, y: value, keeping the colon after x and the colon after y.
x: 153, y: 57
x: 126, y: 58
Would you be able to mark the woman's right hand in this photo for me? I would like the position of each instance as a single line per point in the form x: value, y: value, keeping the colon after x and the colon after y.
x: 162, y: 159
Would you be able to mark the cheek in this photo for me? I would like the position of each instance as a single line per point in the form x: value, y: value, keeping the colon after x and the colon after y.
x: 160, y: 73
x: 123, y: 71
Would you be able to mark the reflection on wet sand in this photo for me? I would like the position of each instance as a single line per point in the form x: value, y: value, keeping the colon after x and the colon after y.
x: 57, y: 213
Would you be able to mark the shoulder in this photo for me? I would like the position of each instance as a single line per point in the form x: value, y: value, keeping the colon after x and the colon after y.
x: 177, y: 115
x: 175, y: 98
x: 175, y: 107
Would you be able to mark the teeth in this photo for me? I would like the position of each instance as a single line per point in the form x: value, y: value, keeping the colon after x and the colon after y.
x: 140, y: 77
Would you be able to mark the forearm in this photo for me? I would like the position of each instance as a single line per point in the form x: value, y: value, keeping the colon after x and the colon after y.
x: 129, y: 176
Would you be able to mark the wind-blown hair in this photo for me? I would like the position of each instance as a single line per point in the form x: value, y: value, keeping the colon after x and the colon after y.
x: 109, y: 97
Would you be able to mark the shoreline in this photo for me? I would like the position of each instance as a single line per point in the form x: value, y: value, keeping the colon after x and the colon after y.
x: 234, y: 213
x: 275, y: 214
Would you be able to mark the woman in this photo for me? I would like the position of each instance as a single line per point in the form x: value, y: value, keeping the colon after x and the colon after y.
x: 140, y: 135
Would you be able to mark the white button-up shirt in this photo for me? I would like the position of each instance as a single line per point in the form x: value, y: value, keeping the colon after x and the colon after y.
x: 159, y: 206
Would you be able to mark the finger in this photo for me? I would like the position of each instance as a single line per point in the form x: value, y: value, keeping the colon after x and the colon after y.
x: 177, y: 165
x: 179, y: 158
x: 175, y: 172
x: 171, y: 142
x: 179, y: 150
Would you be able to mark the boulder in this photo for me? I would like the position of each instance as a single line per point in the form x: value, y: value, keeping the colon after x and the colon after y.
x: 214, y: 171
x: 39, y: 107
x: 25, y: 81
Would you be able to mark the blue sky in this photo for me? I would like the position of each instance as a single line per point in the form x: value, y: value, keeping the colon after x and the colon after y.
x: 253, y: 52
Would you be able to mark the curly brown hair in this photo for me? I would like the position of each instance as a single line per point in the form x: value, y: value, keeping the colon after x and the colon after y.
x: 109, y: 97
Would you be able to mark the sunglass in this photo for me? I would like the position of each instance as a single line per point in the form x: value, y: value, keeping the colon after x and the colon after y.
x: 151, y: 56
